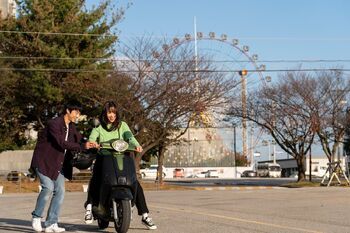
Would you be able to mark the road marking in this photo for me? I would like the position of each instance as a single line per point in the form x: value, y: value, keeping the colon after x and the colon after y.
x: 237, y: 188
x: 236, y: 219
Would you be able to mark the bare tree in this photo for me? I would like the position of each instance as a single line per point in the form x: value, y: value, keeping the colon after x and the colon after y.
x: 328, y: 105
x: 280, y: 109
x: 171, y: 88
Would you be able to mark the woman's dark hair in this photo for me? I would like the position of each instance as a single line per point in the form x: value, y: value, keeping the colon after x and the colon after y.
x: 107, y: 107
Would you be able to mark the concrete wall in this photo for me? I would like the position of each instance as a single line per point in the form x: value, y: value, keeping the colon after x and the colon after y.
x: 18, y: 160
x: 224, y: 172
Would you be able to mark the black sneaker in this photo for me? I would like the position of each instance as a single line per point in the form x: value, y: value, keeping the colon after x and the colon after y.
x: 100, y: 212
x: 149, y: 223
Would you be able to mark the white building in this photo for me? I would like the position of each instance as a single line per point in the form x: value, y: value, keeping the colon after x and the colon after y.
x: 319, y: 165
x: 7, y: 8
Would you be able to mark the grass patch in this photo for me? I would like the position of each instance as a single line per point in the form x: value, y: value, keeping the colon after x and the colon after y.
x: 301, y: 184
x: 304, y: 184
x: 156, y: 186
x: 76, y: 186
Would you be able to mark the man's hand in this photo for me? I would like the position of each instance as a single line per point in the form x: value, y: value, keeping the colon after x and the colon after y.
x: 89, y: 145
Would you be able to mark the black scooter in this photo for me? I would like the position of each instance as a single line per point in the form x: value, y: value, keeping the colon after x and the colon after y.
x: 117, y: 186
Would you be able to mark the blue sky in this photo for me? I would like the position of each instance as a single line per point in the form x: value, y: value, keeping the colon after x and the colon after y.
x: 273, y: 29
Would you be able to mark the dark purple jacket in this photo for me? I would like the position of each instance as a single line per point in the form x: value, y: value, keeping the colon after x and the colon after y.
x: 49, y: 155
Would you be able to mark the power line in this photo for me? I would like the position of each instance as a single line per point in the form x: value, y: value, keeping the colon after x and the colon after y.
x: 169, y: 71
x: 177, y: 36
x: 58, y: 33
x: 153, y: 60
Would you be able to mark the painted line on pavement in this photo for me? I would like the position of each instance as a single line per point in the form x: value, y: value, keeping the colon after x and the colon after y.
x: 237, y: 188
x: 235, y: 219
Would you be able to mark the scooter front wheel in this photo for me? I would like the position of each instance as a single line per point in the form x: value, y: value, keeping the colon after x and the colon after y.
x: 123, y: 210
x: 102, y: 224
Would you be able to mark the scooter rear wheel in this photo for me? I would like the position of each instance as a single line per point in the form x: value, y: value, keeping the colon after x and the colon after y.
x: 122, y: 224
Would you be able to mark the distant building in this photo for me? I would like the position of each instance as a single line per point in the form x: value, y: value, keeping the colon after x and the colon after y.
x: 318, y: 166
x: 7, y: 8
x: 200, y: 147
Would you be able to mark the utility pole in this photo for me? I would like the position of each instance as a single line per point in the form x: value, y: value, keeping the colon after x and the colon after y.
x: 310, y: 162
x: 274, y: 153
x: 243, y: 73
x: 251, y: 145
x: 234, y: 150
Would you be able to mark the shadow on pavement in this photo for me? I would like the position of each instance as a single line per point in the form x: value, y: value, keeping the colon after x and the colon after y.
x: 15, y: 225
x: 18, y: 225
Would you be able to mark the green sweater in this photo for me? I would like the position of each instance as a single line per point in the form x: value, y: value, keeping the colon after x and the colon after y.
x: 100, y: 135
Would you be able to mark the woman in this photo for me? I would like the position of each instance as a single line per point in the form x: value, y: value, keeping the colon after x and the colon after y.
x: 110, y: 128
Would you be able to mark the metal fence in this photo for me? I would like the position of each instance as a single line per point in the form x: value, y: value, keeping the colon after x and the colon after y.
x: 22, y: 182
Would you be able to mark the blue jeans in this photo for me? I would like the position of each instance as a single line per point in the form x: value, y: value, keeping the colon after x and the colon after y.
x: 48, y: 187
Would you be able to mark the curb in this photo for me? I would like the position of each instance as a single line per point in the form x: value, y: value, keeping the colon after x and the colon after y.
x: 236, y: 188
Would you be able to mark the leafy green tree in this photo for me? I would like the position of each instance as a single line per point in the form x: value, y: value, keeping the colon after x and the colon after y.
x: 53, y: 51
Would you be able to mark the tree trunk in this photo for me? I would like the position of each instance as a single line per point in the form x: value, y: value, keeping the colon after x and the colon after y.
x: 137, y: 160
x: 301, y: 168
x: 160, y: 164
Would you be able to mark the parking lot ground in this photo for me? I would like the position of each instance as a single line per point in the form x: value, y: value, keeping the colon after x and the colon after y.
x: 279, y: 210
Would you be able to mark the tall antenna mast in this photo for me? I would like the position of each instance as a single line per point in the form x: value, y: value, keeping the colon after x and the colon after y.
x: 195, y: 45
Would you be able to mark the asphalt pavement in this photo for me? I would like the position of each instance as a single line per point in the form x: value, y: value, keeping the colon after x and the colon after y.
x: 252, y: 210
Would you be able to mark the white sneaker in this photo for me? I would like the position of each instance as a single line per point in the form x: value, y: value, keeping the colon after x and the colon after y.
x: 132, y: 212
x: 88, y: 217
x: 36, y: 224
x: 54, y: 228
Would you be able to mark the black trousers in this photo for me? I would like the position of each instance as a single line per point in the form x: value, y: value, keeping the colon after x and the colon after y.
x: 94, y: 190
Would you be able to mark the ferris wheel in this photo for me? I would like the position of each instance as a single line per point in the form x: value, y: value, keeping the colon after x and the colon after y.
x: 232, y: 60
x: 228, y: 57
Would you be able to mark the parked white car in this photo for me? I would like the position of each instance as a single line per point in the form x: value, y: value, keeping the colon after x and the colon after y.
x: 212, y: 174
x: 151, y: 172
x: 199, y: 175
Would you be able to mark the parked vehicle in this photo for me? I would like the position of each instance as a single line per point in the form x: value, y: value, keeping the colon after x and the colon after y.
x: 249, y: 173
x: 269, y: 170
x: 200, y: 175
x: 179, y: 173
x: 212, y: 174
x: 151, y: 172
x: 16, y: 175
x: 294, y: 175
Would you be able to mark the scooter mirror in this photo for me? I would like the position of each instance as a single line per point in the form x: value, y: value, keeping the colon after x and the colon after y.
x: 137, y: 128
x: 96, y: 122
x: 120, y: 145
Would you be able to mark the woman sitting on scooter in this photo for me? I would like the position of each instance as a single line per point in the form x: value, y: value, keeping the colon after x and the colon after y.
x: 111, y: 127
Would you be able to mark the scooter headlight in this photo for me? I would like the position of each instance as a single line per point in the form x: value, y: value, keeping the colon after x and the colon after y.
x: 120, y: 145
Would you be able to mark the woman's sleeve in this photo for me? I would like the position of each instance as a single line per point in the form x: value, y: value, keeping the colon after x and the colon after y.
x: 128, y: 136
x: 94, y: 135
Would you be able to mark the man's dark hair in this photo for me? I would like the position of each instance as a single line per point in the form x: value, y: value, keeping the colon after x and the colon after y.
x: 73, y: 105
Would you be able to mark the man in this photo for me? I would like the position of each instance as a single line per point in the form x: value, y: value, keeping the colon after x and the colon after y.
x: 52, y: 163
